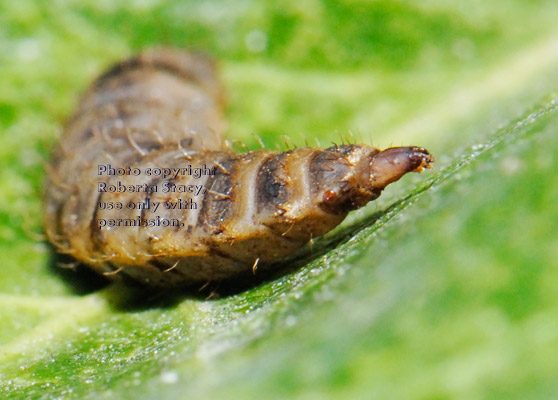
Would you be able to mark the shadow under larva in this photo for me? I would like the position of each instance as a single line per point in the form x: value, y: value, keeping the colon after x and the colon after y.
x: 141, y: 186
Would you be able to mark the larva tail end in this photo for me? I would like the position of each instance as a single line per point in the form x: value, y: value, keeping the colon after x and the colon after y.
x: 350, y: 176
x: 424, y: 159
x: 391, y: 164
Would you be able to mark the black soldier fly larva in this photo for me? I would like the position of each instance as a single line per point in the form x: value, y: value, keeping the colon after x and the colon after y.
x: 142, y: 186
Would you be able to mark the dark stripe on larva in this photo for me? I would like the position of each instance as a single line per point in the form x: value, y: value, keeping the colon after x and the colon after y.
x: 217, y: 204
x: 162, y: 108
x: 273, y: 189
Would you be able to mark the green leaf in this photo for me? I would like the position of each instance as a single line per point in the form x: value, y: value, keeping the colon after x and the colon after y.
x: 443, y: 288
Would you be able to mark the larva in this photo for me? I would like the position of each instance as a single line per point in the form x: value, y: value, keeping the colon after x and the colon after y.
x: 161, y: 111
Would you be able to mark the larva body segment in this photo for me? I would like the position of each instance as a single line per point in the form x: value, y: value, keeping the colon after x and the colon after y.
x: 162, y: 109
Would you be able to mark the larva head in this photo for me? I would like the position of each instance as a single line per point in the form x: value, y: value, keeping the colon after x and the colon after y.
x: 366, y: 172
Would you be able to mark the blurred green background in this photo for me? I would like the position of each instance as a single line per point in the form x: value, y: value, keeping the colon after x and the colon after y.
x: 444, y: 288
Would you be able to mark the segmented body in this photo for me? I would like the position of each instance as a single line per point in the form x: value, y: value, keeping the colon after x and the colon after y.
x: 162, y: 109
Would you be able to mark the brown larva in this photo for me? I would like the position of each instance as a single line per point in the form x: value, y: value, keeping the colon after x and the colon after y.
x: 162, y: 110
